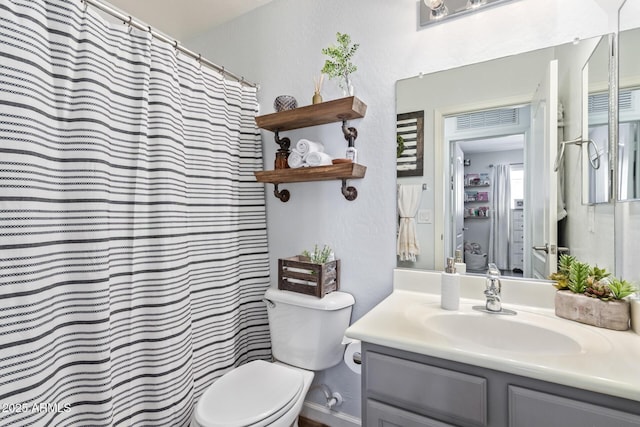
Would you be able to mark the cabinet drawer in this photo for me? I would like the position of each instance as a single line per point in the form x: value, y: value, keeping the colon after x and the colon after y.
x: 381, y: 415
x: 517, y: 215
x: 427, y: 389
x: 517, y: 225
x: 529, y: 408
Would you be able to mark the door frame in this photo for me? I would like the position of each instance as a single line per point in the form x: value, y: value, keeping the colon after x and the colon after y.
x: 442, y: 156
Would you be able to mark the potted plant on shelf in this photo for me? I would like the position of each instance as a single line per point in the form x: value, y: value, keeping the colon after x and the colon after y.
x: 591, y: 295
x: 339, y: 64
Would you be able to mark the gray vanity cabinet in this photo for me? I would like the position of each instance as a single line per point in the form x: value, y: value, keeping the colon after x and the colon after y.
x: 410, y: 390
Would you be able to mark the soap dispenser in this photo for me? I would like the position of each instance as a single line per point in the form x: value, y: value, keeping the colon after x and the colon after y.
x: 450, y: 287
x: 461, y: 267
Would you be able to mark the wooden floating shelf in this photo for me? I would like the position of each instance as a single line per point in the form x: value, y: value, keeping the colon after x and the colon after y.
x: 314, y: 115
x: 316, y: 173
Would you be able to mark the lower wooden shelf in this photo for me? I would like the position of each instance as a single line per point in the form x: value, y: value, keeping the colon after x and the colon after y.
x: 342, y: 171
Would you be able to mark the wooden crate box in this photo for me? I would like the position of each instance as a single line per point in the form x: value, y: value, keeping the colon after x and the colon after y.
x: 298, y: 274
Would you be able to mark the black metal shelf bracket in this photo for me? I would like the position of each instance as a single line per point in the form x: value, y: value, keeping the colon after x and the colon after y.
x: 284, y: 143
x: 350, y: 133
x: 283, y: 195
x: 350, y: 193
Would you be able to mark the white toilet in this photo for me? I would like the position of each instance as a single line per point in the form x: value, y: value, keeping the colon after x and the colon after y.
x: 306, y: 336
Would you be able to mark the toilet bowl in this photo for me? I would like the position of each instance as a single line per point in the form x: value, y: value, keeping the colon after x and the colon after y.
x: 306, y: 336
x: 255, y: 395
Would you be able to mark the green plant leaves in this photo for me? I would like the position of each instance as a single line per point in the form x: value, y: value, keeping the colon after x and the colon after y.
x: 339, y: 64
x: 581, y: 278
x: 578, y: 275
x: 621, y: 288
x: 318, y: 256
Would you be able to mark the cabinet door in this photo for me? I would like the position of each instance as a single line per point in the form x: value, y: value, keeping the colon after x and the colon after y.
x: 529, y: 408
x: 381, y: 415
x: 440, y: 393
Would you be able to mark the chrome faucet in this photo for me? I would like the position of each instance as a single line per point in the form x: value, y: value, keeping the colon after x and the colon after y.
x: 493, y: 287
x: 492, y: 292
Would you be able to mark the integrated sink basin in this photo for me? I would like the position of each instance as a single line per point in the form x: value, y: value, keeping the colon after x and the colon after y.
x: 502, y: 333
x: 526, y: 333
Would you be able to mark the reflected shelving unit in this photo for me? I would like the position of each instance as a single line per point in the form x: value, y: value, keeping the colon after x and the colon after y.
x: 473, y: 199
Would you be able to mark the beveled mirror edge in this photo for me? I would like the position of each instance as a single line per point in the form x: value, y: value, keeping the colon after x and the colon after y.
x: 584, y: 149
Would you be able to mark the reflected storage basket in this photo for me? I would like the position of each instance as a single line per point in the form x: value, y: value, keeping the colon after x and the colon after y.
x: 475, y: 261
x: 298, y: 274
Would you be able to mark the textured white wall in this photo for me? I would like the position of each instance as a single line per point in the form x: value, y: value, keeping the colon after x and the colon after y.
x: 278, y: 45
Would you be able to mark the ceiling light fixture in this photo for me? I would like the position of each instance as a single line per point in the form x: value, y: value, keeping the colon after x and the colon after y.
x: 438, y: 8
x: 474, y: 4
x: 436, y: 11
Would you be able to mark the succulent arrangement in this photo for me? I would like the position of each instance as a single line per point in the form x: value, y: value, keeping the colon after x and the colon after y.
x: 581, y: 278
x: 319, y: 256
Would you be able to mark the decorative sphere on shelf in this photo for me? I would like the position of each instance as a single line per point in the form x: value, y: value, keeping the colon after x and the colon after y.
x: 285, y: 102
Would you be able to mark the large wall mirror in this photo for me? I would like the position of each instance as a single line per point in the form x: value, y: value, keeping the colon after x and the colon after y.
x: 489, y: 187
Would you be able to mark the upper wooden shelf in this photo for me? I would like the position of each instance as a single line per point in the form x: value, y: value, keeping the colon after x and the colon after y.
x: 314, y: 115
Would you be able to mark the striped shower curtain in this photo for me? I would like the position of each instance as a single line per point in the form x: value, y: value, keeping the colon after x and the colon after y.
x: 133, y: 251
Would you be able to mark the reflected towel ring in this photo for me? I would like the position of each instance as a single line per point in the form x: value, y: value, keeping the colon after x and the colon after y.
x: 593, y: 160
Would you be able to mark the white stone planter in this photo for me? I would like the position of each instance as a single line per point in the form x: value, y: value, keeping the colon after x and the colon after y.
x: 593, y: 311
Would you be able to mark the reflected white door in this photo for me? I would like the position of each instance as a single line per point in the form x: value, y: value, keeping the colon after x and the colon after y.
x: 541, y: 238
x: 457, y: 177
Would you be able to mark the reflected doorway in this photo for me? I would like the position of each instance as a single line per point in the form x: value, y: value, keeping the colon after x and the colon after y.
x: 487, y: 191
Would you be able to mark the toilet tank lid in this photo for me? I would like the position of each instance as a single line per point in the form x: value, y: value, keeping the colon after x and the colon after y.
x: 331, y: 301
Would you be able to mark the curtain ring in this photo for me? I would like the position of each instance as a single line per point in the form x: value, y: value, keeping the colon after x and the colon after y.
x: 128, y: 24
x: 86, y: 5
x: 175, y: 47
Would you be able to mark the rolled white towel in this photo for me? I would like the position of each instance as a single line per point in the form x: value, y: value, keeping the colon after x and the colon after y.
x: 295, y: 159
x: 305, y: 146
x: 316, y: 158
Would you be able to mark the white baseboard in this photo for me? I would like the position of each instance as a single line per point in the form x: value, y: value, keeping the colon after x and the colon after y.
x: 324, y: 415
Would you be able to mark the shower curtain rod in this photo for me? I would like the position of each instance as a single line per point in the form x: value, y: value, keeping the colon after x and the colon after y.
x: 127, y: 19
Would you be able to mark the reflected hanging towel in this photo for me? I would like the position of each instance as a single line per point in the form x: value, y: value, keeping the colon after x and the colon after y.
x: 408, y: 203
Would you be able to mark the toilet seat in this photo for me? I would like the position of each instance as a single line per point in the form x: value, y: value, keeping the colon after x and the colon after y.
x: 254, y: 394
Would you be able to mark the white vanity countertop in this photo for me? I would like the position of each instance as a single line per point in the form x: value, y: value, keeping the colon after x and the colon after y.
x: 608, y: 361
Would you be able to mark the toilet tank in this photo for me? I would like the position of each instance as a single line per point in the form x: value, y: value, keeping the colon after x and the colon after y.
x: 307, y: 331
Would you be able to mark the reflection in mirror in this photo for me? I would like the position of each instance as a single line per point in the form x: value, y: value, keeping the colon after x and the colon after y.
x: 487, y: 198
x: 629, y: 105
x: 595, y: 75
x: 486, y: 130
x: 628, y: 212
